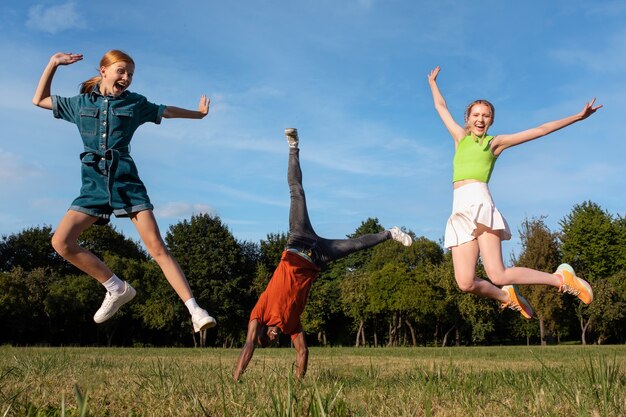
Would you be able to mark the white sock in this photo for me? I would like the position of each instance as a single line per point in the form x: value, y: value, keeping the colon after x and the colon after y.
x: 114, y: 285
x: 191, y: 305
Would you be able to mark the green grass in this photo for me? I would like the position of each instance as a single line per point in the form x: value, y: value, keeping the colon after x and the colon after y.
x: 481, y: 381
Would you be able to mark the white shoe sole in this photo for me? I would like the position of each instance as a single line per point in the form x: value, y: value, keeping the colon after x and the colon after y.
x: 205, y: 323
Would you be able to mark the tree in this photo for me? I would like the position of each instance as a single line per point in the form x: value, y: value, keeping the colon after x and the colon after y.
x: 70, y: 303
x: 417, y: 294
x: 156, y: 315
x: 21, y: 305
x: 322, y: 307
x: 590, y: 243
x: 446, y: 311
x: 620, y: 241
x: 219, y: 270
x: 324, y: 312
x: 609, y: 308
x: 271, y: 251
x: 353, y: 297
x: 103, y: 239
x: 30, y: 249
x: 14, y: 310
x: 540, y: 251
x: 476, y: 314
x: 386, y: 297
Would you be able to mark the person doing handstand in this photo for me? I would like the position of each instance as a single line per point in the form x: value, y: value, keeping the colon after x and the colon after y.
x: 280, y: 306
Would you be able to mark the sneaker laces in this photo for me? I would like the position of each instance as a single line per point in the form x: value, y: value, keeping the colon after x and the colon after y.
x: 108, y: 300
x: 511, y: 305
x: 569, y: 290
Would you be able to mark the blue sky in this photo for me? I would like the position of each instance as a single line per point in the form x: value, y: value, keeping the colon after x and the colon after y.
x: 352, y: 77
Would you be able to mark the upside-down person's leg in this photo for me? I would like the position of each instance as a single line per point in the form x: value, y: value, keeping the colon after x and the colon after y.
x: 333, y: 249
x: 299, y: 223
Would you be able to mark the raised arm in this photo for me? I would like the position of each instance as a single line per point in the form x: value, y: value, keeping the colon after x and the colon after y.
x: 455, y: 130
x: 42, y: 93
x: 172, y: 112
x: 248, y: 348
x: 501, y: 142
x: 302, y: 354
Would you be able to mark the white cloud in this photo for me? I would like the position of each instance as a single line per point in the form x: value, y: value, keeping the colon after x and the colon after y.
x: 13, y: 169
x: 54, y: 19
x: 180, y: 209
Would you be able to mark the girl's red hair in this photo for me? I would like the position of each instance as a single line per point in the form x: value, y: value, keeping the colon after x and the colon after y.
x: 109, y: 58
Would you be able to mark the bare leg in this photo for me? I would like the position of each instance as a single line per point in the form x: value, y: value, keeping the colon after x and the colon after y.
x: 149, y: 231
x: 489, y: 245
x: 64, y: 241
x: 464, y: 258
x: 491, y: 255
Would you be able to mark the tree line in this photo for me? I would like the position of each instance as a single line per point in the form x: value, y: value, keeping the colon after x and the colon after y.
x: 389, y: 295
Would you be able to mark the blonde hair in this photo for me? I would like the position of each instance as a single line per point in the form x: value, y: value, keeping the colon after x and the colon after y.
x: 469, y: 109
x: 110, y: 58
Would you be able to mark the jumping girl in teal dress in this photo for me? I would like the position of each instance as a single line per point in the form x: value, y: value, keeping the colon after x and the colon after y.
x: 107, y: 115
x: 476, y: 227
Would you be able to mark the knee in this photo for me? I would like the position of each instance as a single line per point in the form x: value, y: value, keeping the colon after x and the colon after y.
x: 497, y: 277
x: 61, y: 245
x: 466, y: 280
x: 467, y: 285
x: 156, y: 249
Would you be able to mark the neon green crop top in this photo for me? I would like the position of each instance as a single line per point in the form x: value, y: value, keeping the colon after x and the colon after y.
x: 473, y: 160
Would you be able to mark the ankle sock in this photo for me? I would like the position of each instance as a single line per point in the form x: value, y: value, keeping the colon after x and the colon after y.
x: 114, y: 285
x: 192, y: 305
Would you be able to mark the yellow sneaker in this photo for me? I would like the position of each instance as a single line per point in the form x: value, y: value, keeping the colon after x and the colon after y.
x: 517, y: 302
x: 571, y: 284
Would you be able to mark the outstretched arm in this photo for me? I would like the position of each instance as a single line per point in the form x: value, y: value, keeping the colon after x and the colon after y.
x: 172, y: 112
x: 455, y: 130
x: 248, y: 349
x: 302, y: 354
x: 501, y: 142
x: 42, y: 93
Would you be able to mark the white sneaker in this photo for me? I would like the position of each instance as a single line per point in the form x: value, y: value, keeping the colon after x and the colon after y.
x: 292, y: 137
x: 113, y: 302
x: 201, y: 320
x: 400, y: 236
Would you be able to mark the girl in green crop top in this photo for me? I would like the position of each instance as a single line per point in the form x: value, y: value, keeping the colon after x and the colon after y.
x: 468, y: 237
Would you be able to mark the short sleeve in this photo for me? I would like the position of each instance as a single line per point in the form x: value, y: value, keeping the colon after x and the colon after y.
x: 149, y: 112
x: 66, y: 108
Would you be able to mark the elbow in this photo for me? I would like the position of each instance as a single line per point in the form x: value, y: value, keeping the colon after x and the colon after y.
x: 44, y: 103
x: 440, y: 105
x: 542, y: 131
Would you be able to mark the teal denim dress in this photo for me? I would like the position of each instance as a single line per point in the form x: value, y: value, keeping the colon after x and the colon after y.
x: 110, y: 181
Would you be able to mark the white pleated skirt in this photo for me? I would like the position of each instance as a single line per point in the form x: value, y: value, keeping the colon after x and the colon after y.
x: 472, y: 205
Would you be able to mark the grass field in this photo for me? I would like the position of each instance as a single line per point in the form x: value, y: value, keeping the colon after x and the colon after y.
x: 481, y: 381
